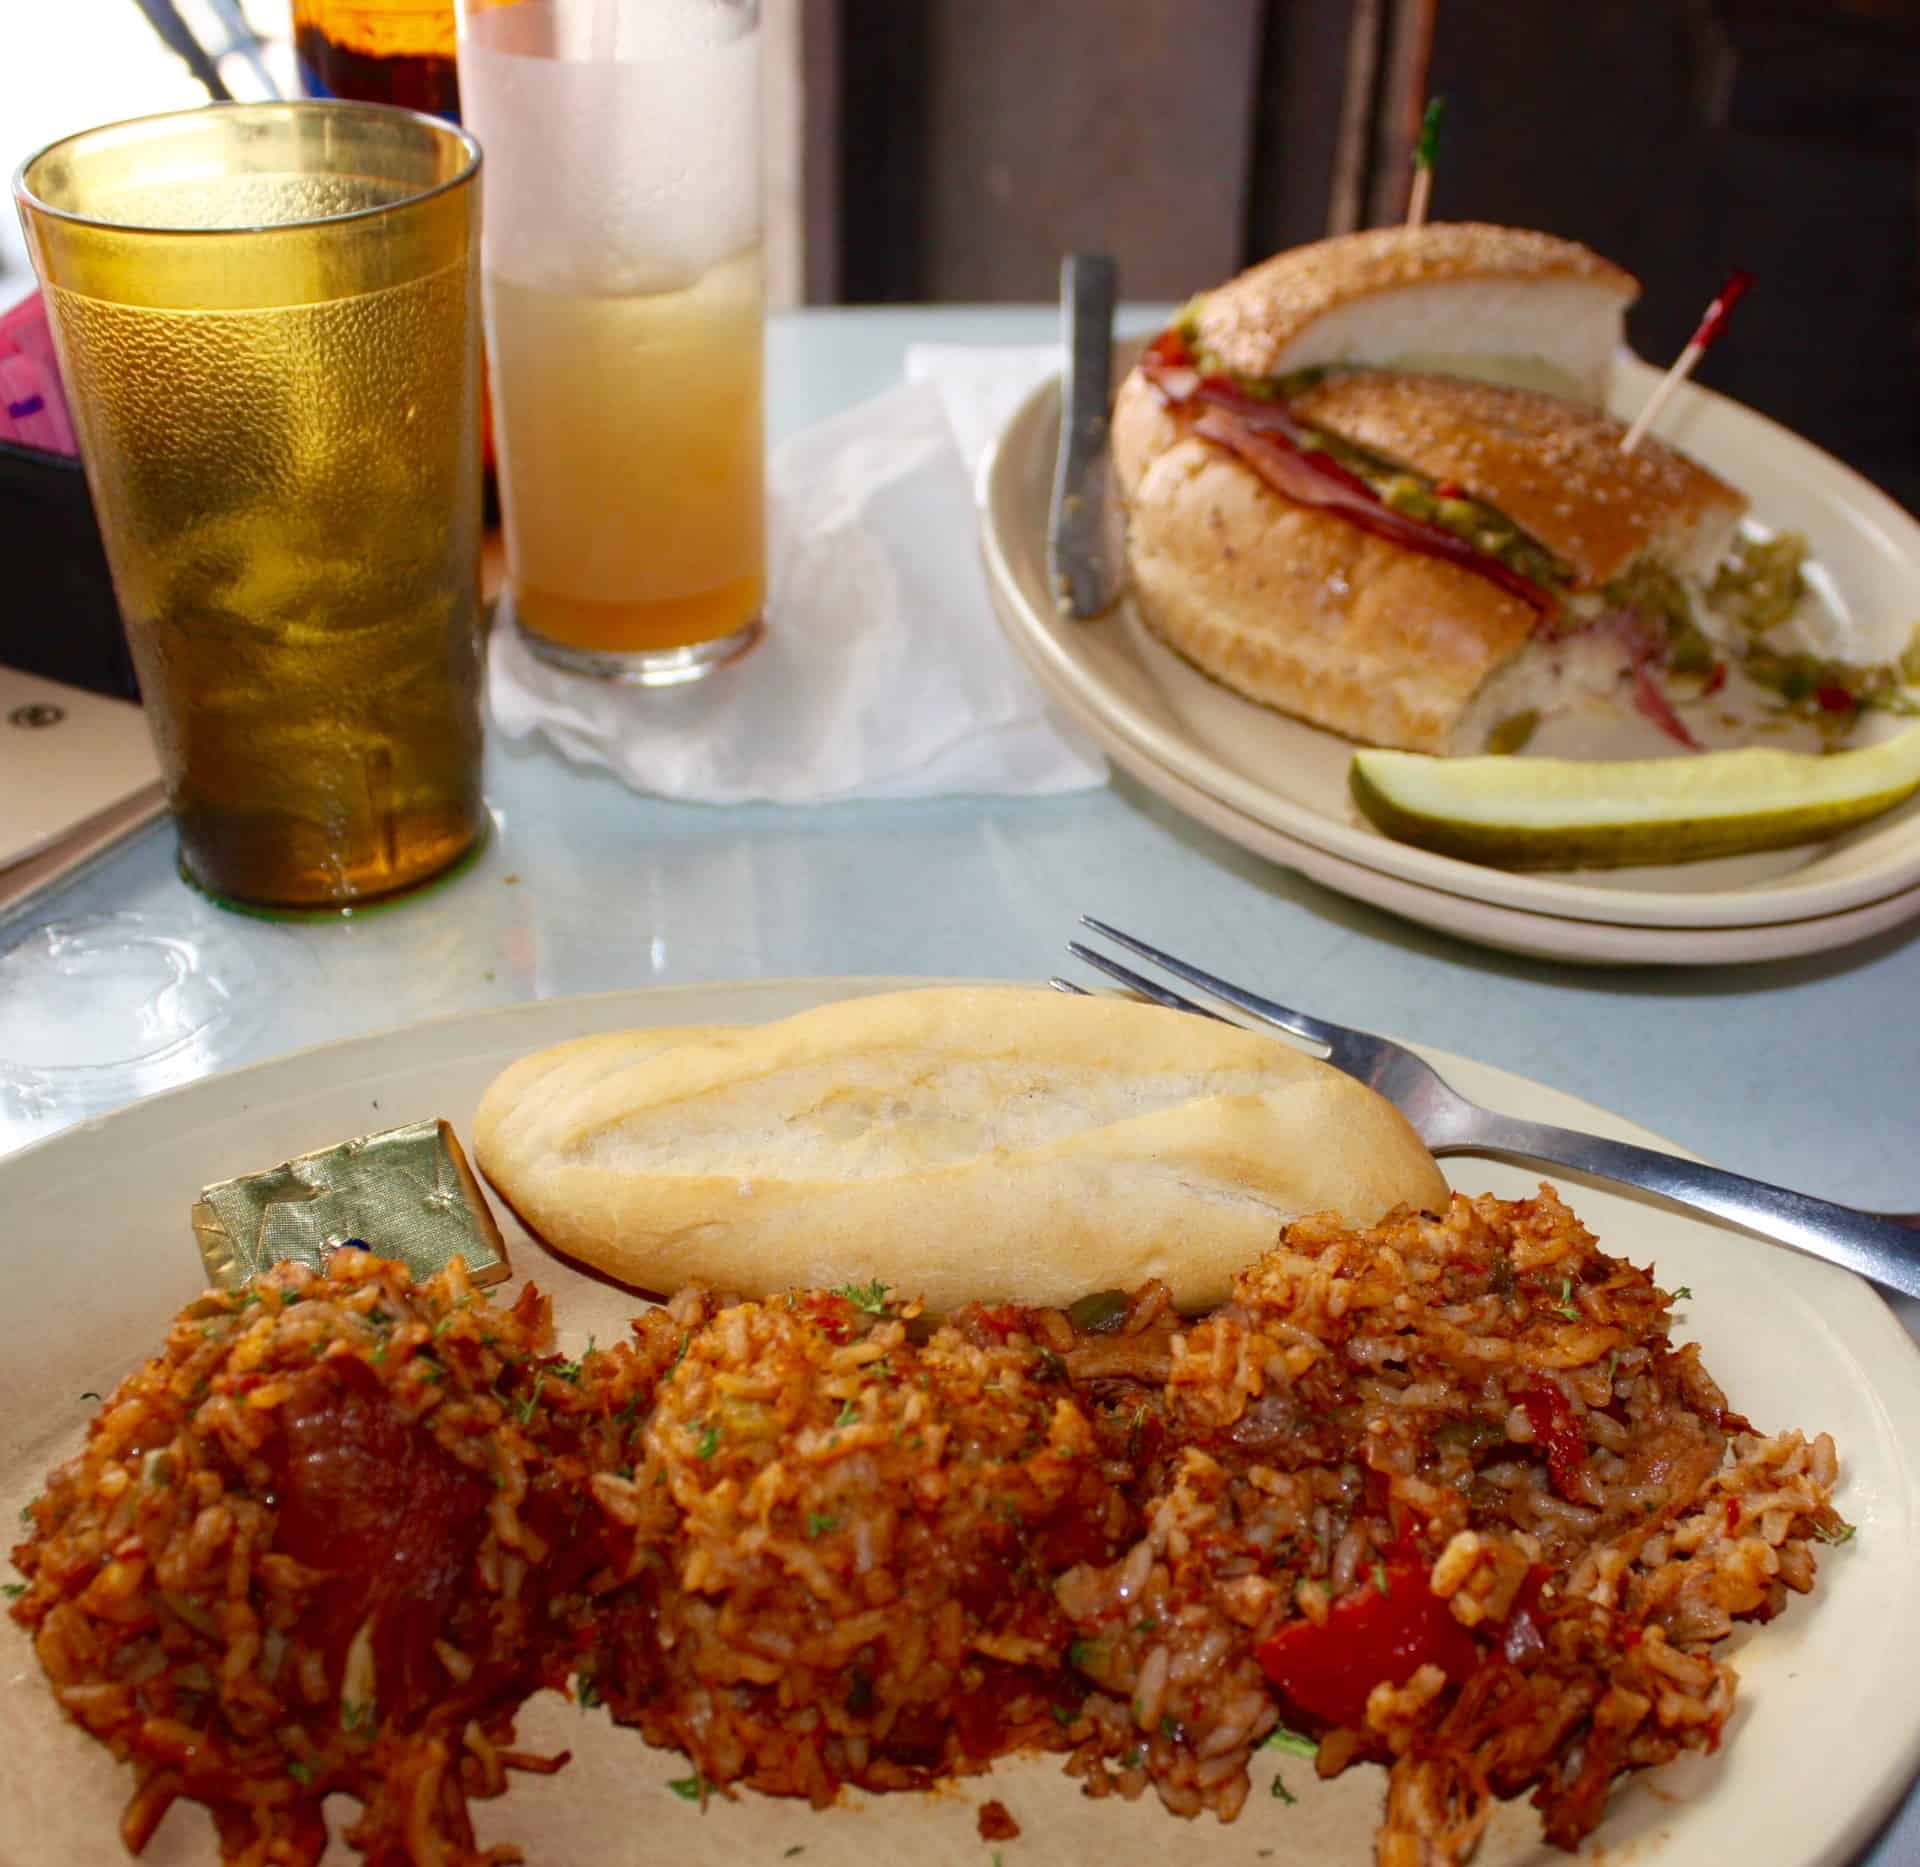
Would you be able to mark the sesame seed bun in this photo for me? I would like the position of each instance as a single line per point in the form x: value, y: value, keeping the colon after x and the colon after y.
x: 1556, y: 470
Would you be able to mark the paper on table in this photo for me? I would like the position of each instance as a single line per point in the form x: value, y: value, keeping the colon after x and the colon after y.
x: 65, y: 756
x: 980, y: 386
x: 77, y: 773
x: 883, y: 673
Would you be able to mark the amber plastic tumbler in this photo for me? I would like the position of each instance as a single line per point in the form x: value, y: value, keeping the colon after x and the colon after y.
x: 268, y: 320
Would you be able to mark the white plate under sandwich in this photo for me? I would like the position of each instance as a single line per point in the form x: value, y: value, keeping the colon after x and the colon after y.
x: 1485, y: 923
x: 1293, y: 777
x: 1824, y: 1741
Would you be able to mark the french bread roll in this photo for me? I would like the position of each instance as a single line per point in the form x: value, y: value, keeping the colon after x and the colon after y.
x: 957, y: 1143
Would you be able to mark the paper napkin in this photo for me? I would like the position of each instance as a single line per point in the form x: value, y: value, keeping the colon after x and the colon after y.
x: 883, y: 673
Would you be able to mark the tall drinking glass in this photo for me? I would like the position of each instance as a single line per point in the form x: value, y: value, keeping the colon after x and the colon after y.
x: 267, y: 315
x: 625, y: 324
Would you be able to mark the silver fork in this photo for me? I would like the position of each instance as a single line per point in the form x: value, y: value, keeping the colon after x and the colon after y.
x: 1878, y: 1246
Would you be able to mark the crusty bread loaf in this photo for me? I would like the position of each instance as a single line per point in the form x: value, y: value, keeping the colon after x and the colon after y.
x: 1506, y: 304
x: 1302, y: 611
x: 958, y: 1143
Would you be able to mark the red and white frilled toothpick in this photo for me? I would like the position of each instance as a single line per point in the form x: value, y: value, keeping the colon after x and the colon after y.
x: 1708, y: 329
x: 1423, y: 163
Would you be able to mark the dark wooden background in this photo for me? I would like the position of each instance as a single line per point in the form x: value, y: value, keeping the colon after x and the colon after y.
x: 959, y: 147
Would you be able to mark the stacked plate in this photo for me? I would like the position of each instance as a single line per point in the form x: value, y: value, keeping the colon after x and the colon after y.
x: 1279, y: 787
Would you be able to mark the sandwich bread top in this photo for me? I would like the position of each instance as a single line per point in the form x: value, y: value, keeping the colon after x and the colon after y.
x: 1506, y: 303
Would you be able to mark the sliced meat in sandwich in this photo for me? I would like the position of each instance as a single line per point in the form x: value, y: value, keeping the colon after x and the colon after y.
x: 1410, y: 559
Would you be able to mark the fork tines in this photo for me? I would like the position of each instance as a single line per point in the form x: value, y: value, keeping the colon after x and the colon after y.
x: 1135, y: 982
x: 1267, y: 1010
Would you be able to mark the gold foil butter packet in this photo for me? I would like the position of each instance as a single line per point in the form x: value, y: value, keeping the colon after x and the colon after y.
x: 407, y: 1193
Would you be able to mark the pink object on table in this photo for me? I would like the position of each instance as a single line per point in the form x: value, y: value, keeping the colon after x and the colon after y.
x: 33, y: 407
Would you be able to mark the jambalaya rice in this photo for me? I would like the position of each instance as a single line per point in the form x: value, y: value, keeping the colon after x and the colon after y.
x: 1440, y: 1495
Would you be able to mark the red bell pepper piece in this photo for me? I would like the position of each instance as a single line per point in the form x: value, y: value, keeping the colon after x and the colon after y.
x: 1371, y: 1636
x: 1557, y: 1432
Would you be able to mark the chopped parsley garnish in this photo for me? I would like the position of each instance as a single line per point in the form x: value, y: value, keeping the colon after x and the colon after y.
x: 820, y: 1523
x: 1063, y: 1715
x: 570, y: 1370
x: 1567, y: 1306
x: 1169, y: 1727
x: 1145, y: 1627
x: 1683, y: 1294
x: 1843, y: 1532
x: 1380, y: 1577
x: 1295, y: 1743
x: 870, y: 1297
x: 1281, y: 1793
x: 13, y: 1590
x: 1085, y: 1654
x: 709, y: 1439
x: 586, y: 1691
x: 356, y: 1714
x: 300, y: 1772
x: 445, y: 1323
x: 688, y: 1788
x: 533, y: 1399
x: 849, y: 1412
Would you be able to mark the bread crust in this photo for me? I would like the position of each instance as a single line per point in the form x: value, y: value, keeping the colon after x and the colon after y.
x: 1295, y: 608
x: 959, y: 1143
x: 1249, y: 322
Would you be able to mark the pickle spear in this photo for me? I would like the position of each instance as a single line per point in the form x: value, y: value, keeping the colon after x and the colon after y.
x: 1548, y: 813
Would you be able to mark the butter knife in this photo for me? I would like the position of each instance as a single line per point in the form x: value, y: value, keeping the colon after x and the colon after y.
x: 1084, y: 560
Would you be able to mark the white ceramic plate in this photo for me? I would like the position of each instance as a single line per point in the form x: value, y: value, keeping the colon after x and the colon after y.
x: 1293, y: 777
x: 1511, y: 930
x: 1826, y: 1737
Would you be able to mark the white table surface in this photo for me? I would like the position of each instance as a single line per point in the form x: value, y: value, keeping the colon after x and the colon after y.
x: 1805, y: 1072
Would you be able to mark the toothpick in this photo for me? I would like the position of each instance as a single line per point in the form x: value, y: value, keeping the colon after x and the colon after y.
x: 1708, y: 329
x: 1423, y: 163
